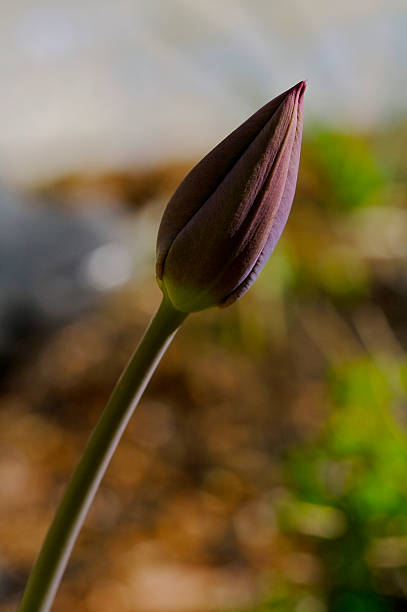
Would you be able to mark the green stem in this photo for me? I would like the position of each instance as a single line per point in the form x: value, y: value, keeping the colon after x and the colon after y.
x: 53, y: 558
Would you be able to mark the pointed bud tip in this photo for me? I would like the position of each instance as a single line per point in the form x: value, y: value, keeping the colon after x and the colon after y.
x: 296, y: 93
x: 300, y: 89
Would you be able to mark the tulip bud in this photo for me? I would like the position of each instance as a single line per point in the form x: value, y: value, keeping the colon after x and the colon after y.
x: 227, y: 215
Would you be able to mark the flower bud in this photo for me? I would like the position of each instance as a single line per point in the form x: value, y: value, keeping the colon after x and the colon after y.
x: 228, y: 213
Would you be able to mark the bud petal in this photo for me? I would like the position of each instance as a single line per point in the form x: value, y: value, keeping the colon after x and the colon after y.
x: 227, y: 215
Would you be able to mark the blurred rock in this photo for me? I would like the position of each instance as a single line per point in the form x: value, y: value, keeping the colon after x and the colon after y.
x: 44, y: 252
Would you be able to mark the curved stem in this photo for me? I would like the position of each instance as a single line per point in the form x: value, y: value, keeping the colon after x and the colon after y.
x: 53, y: 558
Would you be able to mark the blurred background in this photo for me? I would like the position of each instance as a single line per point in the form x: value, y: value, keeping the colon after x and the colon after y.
x: 265, y: 468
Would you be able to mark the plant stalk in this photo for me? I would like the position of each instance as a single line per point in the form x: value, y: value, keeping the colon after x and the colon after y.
x: 54, y: 555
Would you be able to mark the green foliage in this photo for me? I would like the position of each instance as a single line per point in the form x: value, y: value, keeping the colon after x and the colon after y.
x: 348, y: 165
x: 355, y: 471
x: 346, y: 498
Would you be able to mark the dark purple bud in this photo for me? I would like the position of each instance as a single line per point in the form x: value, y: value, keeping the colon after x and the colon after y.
x: 228, y: 213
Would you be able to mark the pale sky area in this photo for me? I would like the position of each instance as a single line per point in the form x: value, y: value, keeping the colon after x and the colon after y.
x: 92, y: 84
